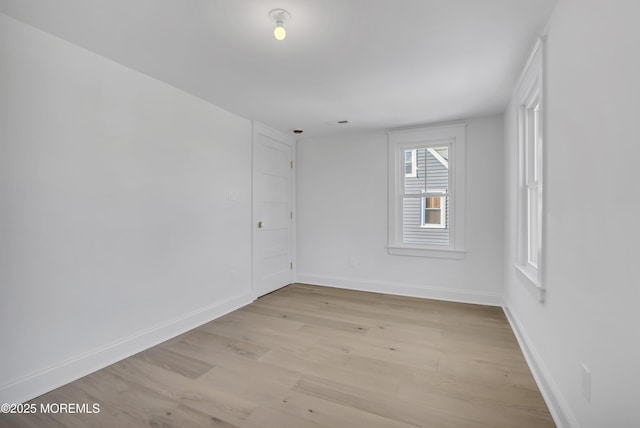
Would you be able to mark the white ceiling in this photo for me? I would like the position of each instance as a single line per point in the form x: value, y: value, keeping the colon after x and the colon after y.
x: 377, y: 63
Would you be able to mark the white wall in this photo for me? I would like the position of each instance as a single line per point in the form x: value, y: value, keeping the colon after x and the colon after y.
x: 592, y: 207
x: 342, y: 220
x: 115, y: 232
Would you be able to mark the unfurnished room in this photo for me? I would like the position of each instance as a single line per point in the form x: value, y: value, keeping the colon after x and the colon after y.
x: 319, y: 213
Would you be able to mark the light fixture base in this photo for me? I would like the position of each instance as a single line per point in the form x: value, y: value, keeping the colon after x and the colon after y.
x: 279, y: 15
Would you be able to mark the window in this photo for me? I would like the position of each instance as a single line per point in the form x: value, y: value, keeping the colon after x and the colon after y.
x: 426, y: 191
x: 530, y: 141
x: 410, y: 167
x: 532, y: 175
x: 433, y: 212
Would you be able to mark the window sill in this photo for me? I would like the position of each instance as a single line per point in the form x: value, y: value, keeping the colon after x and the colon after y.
x: 426, y: 252
x: 532, y: 279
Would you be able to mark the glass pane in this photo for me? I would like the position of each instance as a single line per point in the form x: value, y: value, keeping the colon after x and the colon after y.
x: 408, y: 167
x: 432, y: 216
x: 436, y: 167
x: 413, y: 231
x: 411, y: 212
x: 532, y: 226
x: 531, y: 126
x: 433, y: 202
x: 443, y: 151
x: 413, y: 180
x: 536, y: 139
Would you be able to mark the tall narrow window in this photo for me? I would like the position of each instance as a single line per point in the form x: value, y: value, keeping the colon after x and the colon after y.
x: 532, y: 182
x: 530, y: 141
x: 425, y: 205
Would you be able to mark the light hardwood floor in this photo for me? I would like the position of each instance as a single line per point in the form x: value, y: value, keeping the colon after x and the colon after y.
x: 308, y: 356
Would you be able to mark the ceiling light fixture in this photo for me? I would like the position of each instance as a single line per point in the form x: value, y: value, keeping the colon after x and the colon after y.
x: 280, y: 16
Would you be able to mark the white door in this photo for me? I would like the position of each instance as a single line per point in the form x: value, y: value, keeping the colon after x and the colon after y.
x: 272, y: 210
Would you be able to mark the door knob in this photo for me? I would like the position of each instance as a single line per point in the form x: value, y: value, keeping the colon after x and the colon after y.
x: 259, y: 225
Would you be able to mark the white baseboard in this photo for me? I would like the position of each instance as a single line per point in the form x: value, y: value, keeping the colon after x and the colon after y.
x: 426, y: 292
x: 50, y: 378
x: 560, y: 411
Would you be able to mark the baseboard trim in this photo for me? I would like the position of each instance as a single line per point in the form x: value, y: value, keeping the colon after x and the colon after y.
x: 50, y: 378
x: 560, y: 411
x: 426, y: 292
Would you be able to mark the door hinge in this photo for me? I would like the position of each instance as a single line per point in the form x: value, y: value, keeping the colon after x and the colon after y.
x: 291, y: 265
x: 291, y: 215
x: 291, y: 164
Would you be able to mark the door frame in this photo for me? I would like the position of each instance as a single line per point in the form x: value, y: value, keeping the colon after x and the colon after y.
x: 258, y: 128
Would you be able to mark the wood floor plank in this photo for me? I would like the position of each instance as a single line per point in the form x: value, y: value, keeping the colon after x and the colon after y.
x: 312, y: 357
x: 176, y: 363
x: 22, y: 420
x: 252, y: 321
x: 335, y: 372
x: 266, y: 417
x: 412, y: 412
x: 375, y: 310
x: 386, y: 369
x: 268, y: 336
x: 74, y: 393
x: 137, y: 405
x: 263, y: 390
x: 297, y: 357
x: 216, y: 342
x: 498, y: 405
x: 305, y: 318
x: 216, y: 403
x: 329, y: 414
x: 402, y: 353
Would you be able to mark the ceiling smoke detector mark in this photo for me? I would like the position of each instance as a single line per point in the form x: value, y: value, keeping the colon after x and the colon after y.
x: 337, y: 122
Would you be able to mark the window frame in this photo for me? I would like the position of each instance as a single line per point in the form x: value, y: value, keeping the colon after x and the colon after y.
x: 453, y: 135
x: 531, y: 136
x: 443, y: 210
